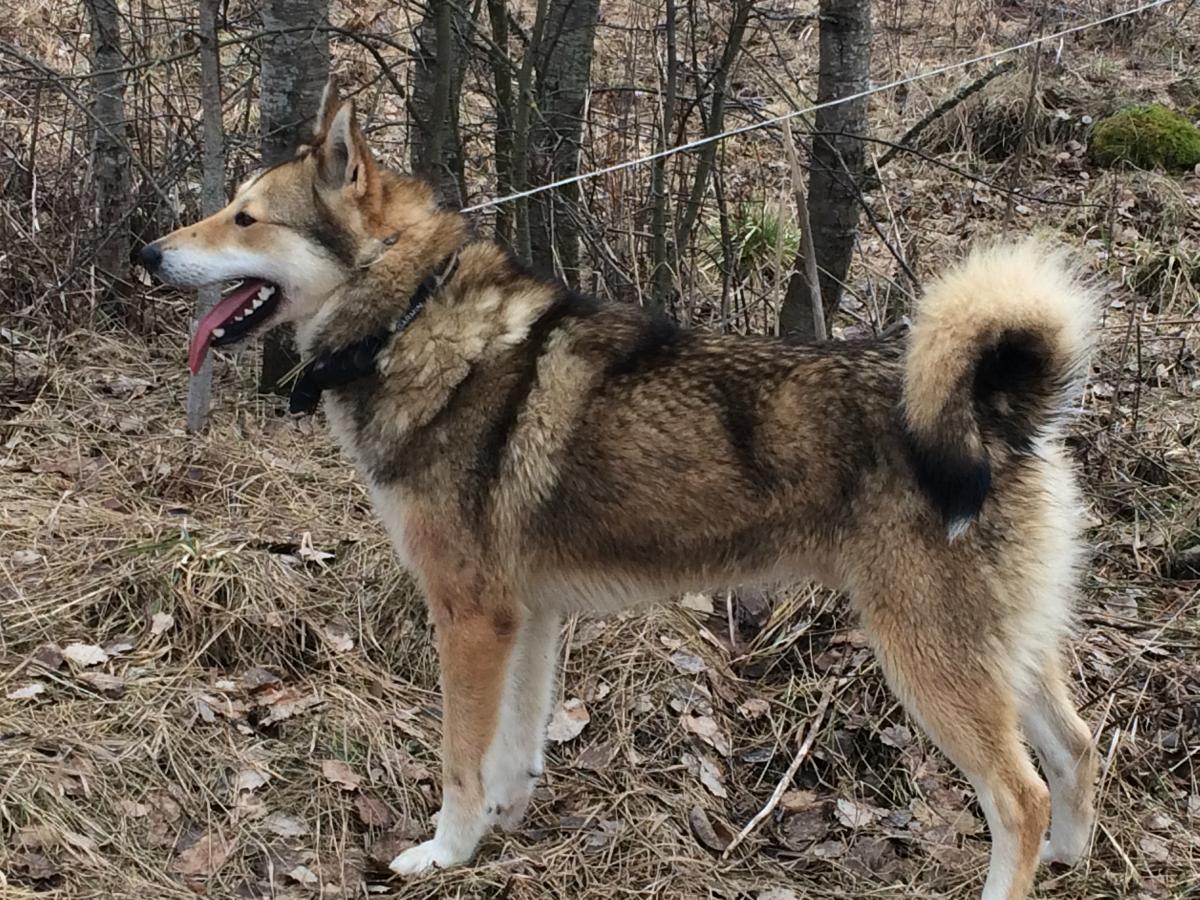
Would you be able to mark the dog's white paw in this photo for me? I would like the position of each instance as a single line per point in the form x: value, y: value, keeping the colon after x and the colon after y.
x: 1063, y: 856
x: 424, y: 857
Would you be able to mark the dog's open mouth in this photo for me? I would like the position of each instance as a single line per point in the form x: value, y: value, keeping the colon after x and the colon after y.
x: 238, y: 313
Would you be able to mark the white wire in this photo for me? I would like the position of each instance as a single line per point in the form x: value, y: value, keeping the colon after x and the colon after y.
x: 775, y: 120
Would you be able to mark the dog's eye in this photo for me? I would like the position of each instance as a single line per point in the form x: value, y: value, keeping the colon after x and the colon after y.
x: 243, y: 219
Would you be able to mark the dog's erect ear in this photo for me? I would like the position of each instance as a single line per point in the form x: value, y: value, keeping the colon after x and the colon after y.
x: 331, y: 99
x: 345, y: 157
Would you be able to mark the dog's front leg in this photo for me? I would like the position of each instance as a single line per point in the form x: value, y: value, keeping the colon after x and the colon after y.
x: 475, y: 643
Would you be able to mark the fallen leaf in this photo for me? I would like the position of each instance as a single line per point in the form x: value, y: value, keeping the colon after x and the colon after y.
x: 49, y: 656
x: 596, y: 757
x: 1155, y: 848
x: 128, y: 387
x: 776, y: 893
x: 249, y: 780
x: 710, y: 777
x: 700, y: 603
x: 204, y: 857
x: 853, y: 814
x: 390, y: 845
x: 304, y: 875
x: 26, y: 558
x: 714, y: 837
x: 285, y: 703
x: 754, y: 708
x: 706, y: 728
x: 568, y: 721
x: 285, y: 825
x: 805, y: 827
x: 341, y: 774
x: 109, y: 685
x: 131, y: 425
x: 257, y: 678
x: 33, y: 866
x: 85, y: 654
x: 164, y: 814
x: 161, y: 622
x: 687, y: 663
x: 28, y: 692
x: 898, y: 736
x: 599, y: 838
x: 373, y: 812
x: 795, y: 801
x: 337, y: 636
x: 827, y: 850
x: 132, y: 808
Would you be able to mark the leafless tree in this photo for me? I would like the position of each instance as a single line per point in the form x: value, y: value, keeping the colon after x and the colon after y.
x: 435, y: 141
x: 110, y: 158
x: 295, y: 67
x: 563, y: 65
x: 838, y: 155
x: 212, y: 195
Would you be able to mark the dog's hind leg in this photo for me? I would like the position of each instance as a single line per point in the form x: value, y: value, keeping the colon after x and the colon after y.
x: 476, y: 637
x: 1068, y: 756
x: 951, y: 677
x: 514, y: 761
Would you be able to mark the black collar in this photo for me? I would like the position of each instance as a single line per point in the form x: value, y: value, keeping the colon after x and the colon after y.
x: 357, y: 359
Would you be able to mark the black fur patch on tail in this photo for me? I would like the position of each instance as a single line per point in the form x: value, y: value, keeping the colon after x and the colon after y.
x: 956, y: 484
x: 1014, y: 388
x: 1012, y: 395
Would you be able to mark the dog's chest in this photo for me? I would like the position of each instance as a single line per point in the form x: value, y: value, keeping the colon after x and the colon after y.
x: 389, y: 500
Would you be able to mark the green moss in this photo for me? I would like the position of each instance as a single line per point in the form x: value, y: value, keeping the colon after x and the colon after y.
x: 1148, y: 137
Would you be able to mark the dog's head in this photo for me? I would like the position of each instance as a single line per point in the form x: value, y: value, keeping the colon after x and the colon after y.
x: 293, y: 234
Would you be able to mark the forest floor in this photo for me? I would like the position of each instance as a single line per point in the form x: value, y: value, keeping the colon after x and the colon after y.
x: 216, y: 680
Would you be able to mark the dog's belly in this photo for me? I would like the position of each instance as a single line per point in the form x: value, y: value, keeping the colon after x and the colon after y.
x: 606, y: 591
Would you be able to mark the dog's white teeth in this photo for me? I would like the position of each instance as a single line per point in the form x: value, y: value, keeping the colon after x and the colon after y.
x: 247, y: 310
x: 265, y: 292
x: 237, y: 318
x: 258, y: 303
x: 218, y: 332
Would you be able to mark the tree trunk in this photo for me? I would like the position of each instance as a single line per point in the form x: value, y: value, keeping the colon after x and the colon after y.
x: 505, y: 114
x: 838, y: 155
x: 435, y: 144
x: 663, y: 276
x: 212, y: 194
x: 714, y: 122
x: 295, y: 67
x: 110, y: 159
x: 564, y: 67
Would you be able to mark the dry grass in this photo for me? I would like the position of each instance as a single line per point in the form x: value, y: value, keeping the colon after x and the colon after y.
x: 189, y: 758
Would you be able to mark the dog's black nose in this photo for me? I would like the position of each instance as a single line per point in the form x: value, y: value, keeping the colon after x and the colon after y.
x: 150, y: 257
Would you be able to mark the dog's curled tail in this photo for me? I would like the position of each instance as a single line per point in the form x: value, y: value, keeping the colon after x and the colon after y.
x: 999, y: 344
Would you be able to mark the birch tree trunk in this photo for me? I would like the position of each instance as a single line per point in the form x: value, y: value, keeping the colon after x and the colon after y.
x: 110, y: 156
x: 212, y: 193
x: 295, y: 67
x: 838, y: 155
x: 564, y: 67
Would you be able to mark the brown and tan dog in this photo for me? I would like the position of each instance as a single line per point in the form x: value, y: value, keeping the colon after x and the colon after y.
x: 533, y: 452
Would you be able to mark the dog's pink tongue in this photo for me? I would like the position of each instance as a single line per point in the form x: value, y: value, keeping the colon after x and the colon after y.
x: 228, y: 307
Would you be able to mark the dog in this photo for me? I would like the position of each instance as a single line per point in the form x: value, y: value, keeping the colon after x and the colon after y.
x: 534, y: 452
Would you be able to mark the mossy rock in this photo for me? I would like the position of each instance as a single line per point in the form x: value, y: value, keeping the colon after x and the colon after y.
x: 1148, y: 137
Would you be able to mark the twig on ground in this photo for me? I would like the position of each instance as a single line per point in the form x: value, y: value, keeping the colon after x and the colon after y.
x: 802, y: 752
